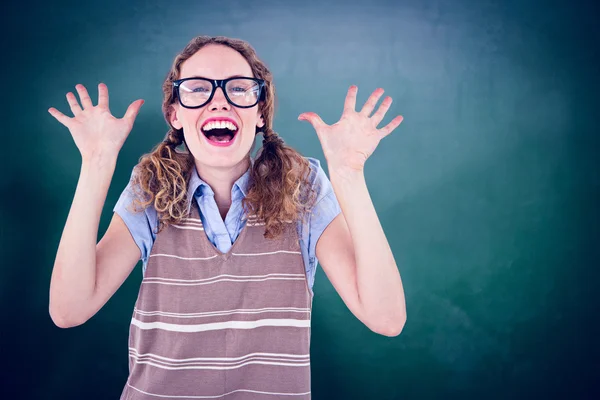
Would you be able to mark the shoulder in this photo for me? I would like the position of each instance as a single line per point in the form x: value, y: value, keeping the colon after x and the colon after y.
x: 133, y: 192
x: 322, y: 212
x: 317, y: 178
x: 319, y: 181
x: 314, y: 163
x: 140, y: 222
x: 325, y: 206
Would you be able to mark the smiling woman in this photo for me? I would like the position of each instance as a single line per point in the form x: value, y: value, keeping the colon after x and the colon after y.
x: 217, y: 98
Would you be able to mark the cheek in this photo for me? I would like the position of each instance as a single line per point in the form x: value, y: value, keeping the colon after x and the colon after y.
x: 250, y: 131
x: 250, y: 120
x: 188, y: 117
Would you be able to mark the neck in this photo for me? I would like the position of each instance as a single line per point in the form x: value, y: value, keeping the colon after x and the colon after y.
x: 221, y: 180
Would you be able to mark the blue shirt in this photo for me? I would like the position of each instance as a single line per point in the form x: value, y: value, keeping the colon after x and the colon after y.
x: 222, y: 234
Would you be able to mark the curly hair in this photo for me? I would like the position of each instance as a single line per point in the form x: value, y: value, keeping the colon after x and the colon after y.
x: 279, y: 186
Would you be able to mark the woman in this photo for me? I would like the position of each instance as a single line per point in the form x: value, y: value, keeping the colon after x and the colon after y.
x: 229, y: 243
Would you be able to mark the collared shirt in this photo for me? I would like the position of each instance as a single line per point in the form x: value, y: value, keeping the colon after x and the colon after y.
x: 222, y: 234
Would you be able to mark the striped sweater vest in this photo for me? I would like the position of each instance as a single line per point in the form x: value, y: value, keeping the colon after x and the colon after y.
x: 213, y: 325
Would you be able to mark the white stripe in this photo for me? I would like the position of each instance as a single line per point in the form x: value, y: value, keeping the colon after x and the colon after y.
x: 191, y: 223
x: 158, y: 282
x: 182, y: 258
x: 216, y: 279
x: 221, y: 368
x: 176, y: 360
x: 218, y: 396
x: 158, y: 278
x: 270, y: 252
x: 193, y: 228
x: 235, y: 254
x: 274, y: 393
x: 216, y: 365
x: 223, y: 312
x: 195, y: 221
x: 221, y: 325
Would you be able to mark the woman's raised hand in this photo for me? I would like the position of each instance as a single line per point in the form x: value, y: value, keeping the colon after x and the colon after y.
x: 94, y: 129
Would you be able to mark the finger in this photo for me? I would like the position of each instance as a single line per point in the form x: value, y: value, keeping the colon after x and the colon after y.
x: 73, y: 103
x: 86, y: 102
x: 102, y: 95
x: 133, y: 110
x: 313, y: 118
x: 371, y: 101
x: 350, y: 103
x: 386, y: 130
x: 383, y: 108
x: 62, y: 118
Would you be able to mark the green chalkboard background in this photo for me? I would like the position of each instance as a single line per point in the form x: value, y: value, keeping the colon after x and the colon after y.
x: 488, y: 191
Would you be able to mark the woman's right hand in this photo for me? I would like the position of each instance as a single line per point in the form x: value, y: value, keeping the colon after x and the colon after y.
x: 94, y: 129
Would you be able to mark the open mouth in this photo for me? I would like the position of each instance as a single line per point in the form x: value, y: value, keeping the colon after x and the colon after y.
x: 220, y: 135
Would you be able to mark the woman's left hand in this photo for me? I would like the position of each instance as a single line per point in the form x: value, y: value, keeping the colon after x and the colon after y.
x: 348, y: 143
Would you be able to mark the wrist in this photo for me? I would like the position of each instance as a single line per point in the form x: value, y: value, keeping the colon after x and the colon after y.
x: 346, y: 182
x: 99, y: 160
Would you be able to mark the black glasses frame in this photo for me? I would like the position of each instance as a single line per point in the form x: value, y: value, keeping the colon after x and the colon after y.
x: 220, y: 83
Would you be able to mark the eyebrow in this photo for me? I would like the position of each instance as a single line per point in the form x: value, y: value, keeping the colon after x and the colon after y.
x: 232, y: 76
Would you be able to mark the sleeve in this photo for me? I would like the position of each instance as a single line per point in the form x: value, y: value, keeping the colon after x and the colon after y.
x: 139, y: 223
x: 326, y: 208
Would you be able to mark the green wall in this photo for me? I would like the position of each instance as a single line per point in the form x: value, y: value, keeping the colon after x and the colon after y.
x: 487, y: 191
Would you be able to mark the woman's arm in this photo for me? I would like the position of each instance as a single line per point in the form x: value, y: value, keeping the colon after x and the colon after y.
x: 99, y: 137
x: 74, y: 273
x: 361, y: 262
x: 378, y: 282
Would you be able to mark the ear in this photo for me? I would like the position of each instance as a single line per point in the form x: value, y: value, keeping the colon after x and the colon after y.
x: 261, y: 122
x: 173, y: 117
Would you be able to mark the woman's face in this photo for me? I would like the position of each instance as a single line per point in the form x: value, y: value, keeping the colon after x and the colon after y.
x: 217, y: 62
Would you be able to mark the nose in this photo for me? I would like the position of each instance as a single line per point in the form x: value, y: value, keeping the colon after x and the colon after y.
x: 219, y: 101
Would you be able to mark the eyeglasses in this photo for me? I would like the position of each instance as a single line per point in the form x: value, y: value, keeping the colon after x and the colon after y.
x: 240, y: 92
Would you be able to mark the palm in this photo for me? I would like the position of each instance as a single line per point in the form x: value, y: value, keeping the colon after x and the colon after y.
x: 349, y: 142
x: 94, y: 129
x: 97, y: 128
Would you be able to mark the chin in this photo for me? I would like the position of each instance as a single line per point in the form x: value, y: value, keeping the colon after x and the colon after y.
x: 221, y: 157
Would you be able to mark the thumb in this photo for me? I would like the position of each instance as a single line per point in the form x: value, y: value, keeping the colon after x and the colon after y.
x: 132, y: 110
x: 313, y: 118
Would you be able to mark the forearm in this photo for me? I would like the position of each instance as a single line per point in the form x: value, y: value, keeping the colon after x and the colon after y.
x: 74, y: 273
x: 379, y: 284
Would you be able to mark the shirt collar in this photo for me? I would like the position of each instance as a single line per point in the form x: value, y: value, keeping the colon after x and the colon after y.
x: 197, y: 187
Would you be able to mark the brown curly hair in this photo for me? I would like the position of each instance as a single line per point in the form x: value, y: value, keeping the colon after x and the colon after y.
x: 279, y: 186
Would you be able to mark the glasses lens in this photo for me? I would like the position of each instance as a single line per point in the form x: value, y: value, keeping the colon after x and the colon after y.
x: 242, y: 91
x: 194, y: 92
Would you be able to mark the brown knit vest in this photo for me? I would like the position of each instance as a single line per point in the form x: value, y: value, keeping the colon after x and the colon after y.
x: 213, y: 325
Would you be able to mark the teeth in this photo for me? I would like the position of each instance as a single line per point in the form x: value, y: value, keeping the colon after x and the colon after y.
x: 219, y: 125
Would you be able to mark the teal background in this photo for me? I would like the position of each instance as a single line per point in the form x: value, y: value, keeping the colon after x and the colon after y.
x: 487, y: 192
